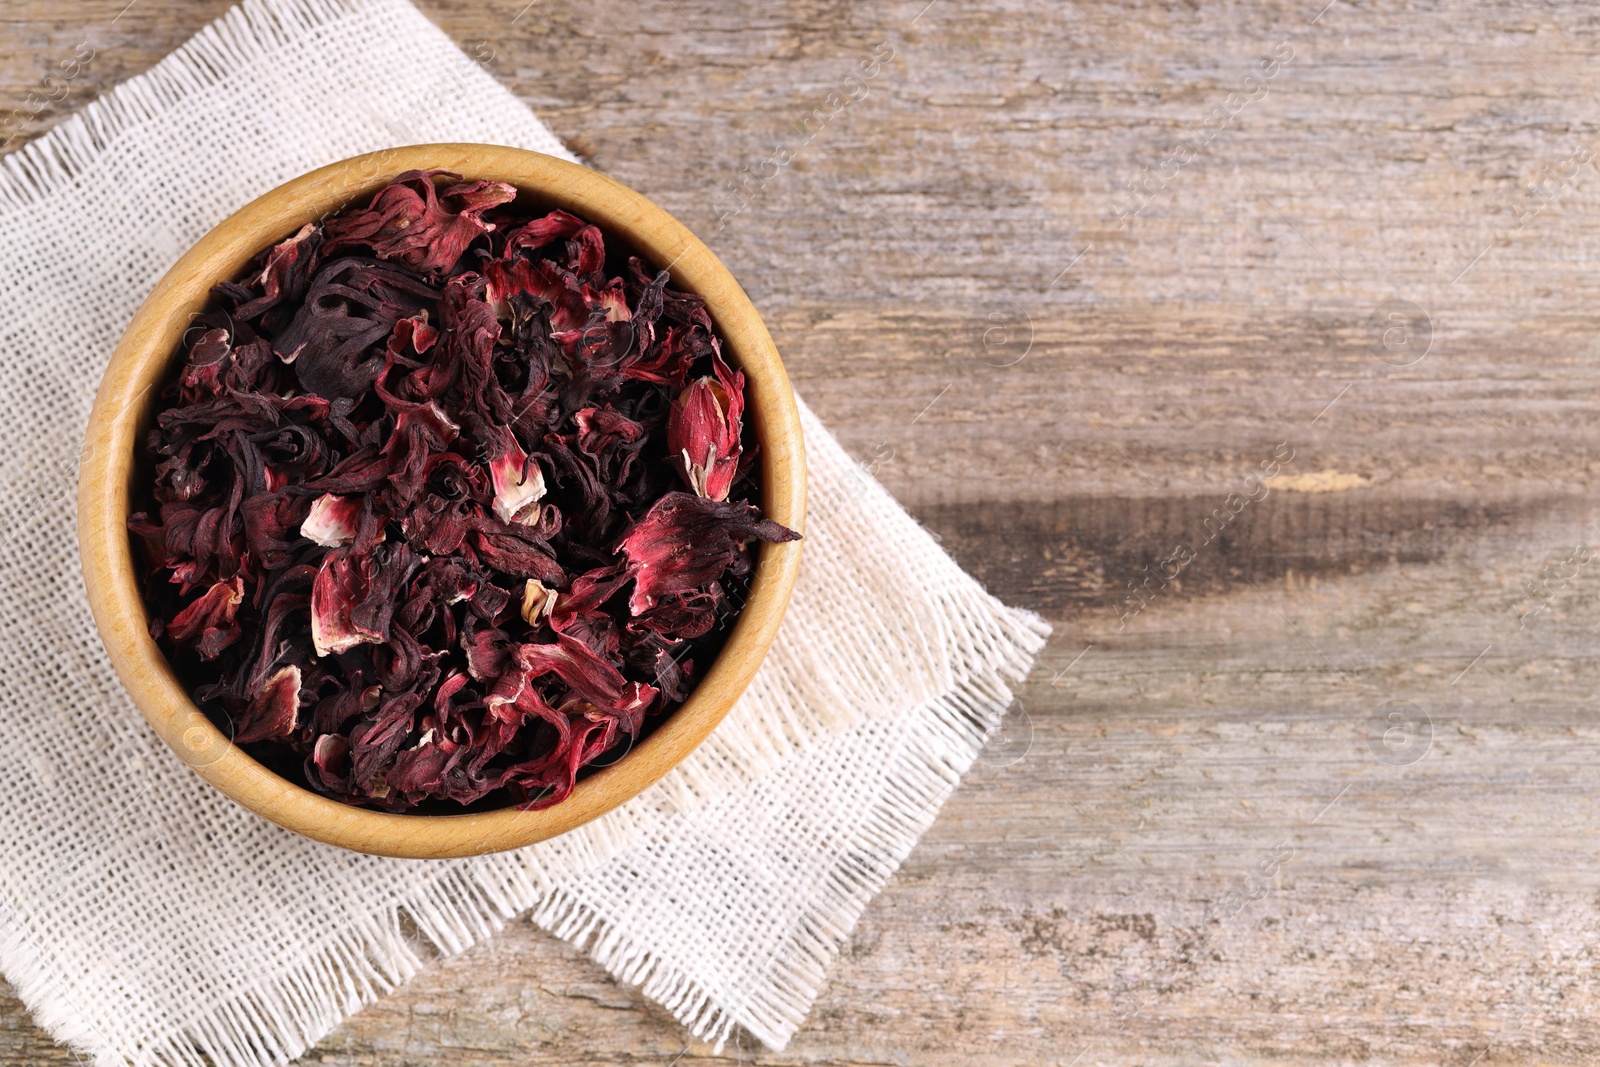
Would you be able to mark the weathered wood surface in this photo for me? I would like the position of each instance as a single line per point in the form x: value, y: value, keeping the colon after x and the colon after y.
x: 1326, y: 798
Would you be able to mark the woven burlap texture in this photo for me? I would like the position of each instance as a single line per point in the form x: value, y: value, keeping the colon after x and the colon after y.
x: 144, y: 918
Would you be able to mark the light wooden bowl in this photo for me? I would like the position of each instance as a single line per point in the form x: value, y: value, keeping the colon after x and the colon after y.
x: 125, y: 408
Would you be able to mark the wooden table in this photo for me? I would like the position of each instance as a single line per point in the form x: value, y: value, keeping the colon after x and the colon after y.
x: 1068, y: 274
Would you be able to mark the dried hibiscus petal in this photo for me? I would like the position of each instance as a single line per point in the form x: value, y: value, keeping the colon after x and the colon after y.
x: 332, y: 520
x: 686, y: 542
x: 416, y: 520
x: 518, y: 481
x: 209, y: 624
x: 415, y: 222
x: 703, y: 431
x: 274, y: 710
x: 286, y: 273
x: 341, y: 584
x: 207, y: 360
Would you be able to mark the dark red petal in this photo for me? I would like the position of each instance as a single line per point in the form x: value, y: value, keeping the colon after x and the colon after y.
x: 540, y: 232
x: 332, y: 520
x: 419, y: 771
x: 518, y: 481
x: 208, y: 623
x: 207, y: 360
x: 589, y: 677
x: 287, y: 271
x: 274, y: 711
x: 686, y: 541
x: 332, y: 753
x: 343, y: 582
x: 424, y: 226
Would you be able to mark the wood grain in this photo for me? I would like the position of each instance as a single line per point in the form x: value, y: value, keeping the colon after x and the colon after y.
x: 1205, y: 840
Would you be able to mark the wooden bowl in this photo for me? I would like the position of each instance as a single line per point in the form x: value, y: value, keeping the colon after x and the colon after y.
x: 125, y: 407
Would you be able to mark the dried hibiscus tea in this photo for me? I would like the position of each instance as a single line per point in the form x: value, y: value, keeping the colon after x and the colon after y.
x: 447, y: 502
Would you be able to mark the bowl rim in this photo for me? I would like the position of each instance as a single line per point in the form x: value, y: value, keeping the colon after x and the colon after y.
x: 126, y: 401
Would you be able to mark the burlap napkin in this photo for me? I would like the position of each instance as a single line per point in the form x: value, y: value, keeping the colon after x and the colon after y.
x: 147, y: 920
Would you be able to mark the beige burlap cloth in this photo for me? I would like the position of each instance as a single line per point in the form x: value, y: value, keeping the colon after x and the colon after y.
x: 144, y: 918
